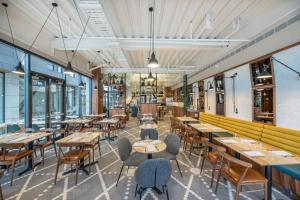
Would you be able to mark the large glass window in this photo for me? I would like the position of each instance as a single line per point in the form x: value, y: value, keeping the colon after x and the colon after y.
x: 38, y: 103
x: 85, y: 96
x: 1, y: 97
x: 56, y: 111
x: 72, y: 99
x: 13, y: 85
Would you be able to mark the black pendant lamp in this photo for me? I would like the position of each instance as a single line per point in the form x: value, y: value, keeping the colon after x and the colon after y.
x: 95, y: 88
x: 19, y: 69
x: 81, y: 84
x: 150, y: 77
x: 69, y: 69
x: 265, y: 73
x: 211, y: 87
x: 153, y: 62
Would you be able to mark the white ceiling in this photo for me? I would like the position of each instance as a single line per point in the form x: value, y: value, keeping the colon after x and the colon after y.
x: 119, y: 20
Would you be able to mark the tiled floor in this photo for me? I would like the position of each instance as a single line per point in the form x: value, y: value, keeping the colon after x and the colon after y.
x: 100, y: 184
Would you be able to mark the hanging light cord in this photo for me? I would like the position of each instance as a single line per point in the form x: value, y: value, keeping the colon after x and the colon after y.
x: 77, y: 10
x: 62, y: 36
x: 87, y: 21
x: 11, y: 33
x: 152, y: 29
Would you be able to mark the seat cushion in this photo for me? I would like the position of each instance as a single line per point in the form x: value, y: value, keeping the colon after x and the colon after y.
x: 209, y: 118
x: 75, y: 155
x: 286, y: 139
x: 241, y: 127
x: 290, y: 170
x: 236, y: 171
x: 222, y: 134
x: 165, y: 155
x: 135, y: 159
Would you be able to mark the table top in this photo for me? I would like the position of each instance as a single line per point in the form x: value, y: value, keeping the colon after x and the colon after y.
x: 259, y: 152
x: 22, y: 138
x: 76, y: 121
x: 119, y: 115
x: 187, y: 119
x: 148, y: 126
x: 207, y: 128
x: 108, y: 121
x: 96, y: 115
x: 149, y: 146
x: 79, y: 138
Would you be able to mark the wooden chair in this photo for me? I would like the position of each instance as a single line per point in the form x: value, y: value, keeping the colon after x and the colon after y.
x: 196, y: 140
x: 181, y: 130
x: 43, y: 144
x: 212, y: 157
x: 93, y: 145
x: 75, y: 156
x: 240, y: 173
x: 1, y: 195
x: 11, y: 153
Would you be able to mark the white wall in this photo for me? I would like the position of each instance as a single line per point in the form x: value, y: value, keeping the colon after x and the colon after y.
x: 195, y: 87
x: 210, y: 105
x: 288, y: 89
x: 243, y: 93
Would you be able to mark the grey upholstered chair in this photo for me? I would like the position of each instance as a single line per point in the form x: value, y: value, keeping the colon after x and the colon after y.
x: 173, y: 145
x: 129, y: 159
x: 153, y: 173
x: 150, y: 132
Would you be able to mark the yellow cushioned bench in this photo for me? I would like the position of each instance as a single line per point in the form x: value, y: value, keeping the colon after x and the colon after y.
x: 209, y: 118
x: 241, y: 127
x: 286, y: 139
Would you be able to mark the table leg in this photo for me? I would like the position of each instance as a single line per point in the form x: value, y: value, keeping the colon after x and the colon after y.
x: 82, y: 168
x: 29, y: 165
x: 268, y: 175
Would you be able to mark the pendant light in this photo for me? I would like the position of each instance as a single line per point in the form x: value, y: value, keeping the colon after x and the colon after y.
x: 153, y: 62
x: 150, y: 77
x: 95, y: 88
x: 69, y: 69
x: 265, y: 73
x: 81, y: 84
x: 19, y: 69
x: 211, y: 87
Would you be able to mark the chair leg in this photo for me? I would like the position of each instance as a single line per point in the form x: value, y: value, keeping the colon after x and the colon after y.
x: 119, y: 175
x: 56, y: 172
x: 99, y: 147
x: 213, y: 175
x: 77, y: 169
x: 1, y: 195
x: 43, y: 156
x: 202, y: 164
x: 265, y: 189
x: 191, y: 148
x: 54, y: 145
x: 167, y: 192
x: 32, y: 162
x: 236, y: 196
x: 217, y: 184
x: 12, y: 172
x: 89, y: 163
x: 93, y: 152
x: 178, y: 167
x: 136, y: 187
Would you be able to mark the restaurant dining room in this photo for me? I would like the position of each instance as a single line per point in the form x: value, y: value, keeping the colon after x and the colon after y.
x: 149, y: 99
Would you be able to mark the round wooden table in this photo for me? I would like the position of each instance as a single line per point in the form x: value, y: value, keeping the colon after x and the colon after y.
x: 149, y: 147
x: 148, y: 126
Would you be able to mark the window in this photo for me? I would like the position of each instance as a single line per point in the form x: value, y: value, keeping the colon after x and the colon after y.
x: 72, y: 98
x: 85, y: 96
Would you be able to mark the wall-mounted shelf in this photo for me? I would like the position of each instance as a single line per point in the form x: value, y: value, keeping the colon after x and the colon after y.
x: 263, y: 91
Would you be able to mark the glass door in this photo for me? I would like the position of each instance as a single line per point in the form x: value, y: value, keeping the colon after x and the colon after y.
x: 56, y: 104
x: 38, y: 103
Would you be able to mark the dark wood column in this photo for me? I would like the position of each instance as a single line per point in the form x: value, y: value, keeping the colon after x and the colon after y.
x: 97, y: 95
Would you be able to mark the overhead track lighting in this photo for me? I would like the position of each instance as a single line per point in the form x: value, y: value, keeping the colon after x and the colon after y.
x: 153, y: 62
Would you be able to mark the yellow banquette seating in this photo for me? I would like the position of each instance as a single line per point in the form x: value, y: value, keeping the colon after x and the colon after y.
x: 283, y: 138
x: 234, y: 126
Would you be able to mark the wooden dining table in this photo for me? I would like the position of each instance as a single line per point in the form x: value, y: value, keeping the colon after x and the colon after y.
x: 261, y: 153
x: 208, y: 129
x: 79, y: 121
x: 79, y: 139
x: 24, y: 139
x: 186, y: 120
x: 148, y: 126
x: 108, y: 122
